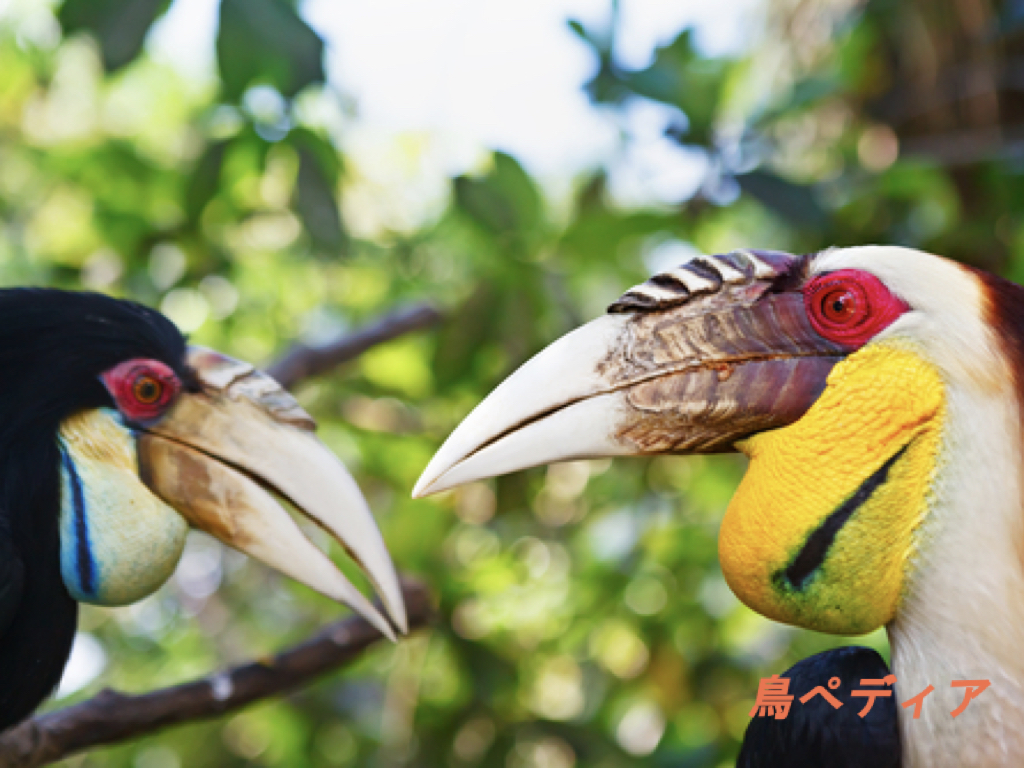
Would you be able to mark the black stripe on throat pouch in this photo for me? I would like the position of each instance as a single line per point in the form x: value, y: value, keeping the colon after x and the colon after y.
x: 815, y: 549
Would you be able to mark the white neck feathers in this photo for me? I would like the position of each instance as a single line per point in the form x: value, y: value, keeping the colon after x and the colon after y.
x: 962, y: 617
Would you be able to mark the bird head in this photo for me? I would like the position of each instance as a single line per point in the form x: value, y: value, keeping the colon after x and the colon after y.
x: 833, y: 373
x: 154, y: 437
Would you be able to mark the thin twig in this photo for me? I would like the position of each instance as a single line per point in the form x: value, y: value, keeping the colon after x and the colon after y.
x: 111, y: 717
x: 301, y: 362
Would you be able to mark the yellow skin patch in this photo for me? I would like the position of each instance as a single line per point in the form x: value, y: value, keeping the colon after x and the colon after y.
x: 133, y: 538
x: 880, y: 400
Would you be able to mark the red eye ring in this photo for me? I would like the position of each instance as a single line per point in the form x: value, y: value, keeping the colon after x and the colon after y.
x: 142, y: 389
x: 850, y: 307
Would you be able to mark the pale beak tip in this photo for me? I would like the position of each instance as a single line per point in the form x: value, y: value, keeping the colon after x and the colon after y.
x: 447, y: 458
x: 400, y: 619
x: 427, y: 483
x: 371, y: 616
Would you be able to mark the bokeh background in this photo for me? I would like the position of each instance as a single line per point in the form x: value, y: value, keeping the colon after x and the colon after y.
x: 268, y: 171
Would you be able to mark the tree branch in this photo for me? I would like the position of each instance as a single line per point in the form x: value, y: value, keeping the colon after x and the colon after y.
x: 301, y: 362
x: 111, y: 717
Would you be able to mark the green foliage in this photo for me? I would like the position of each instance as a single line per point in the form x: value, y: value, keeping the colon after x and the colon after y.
x: 265, y: 41
x: 584, y: 620
x: 318, y: 177
x: 796, y: 203
x: 119, y: 27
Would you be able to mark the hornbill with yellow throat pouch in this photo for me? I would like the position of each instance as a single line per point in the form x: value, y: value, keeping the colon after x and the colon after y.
x: 115, y: 438
x: 877, y: 392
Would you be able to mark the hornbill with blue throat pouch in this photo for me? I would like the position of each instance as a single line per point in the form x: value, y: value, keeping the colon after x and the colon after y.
x: 877, y: 393
x: 115, y: 439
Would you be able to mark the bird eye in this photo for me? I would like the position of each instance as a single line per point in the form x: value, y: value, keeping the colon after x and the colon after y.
x: 850, y: 307
x: 147, y: 390
x: 142, y: 389
x: 840, y: 305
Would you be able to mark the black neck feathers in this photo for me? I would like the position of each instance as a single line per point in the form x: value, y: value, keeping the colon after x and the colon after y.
x: 815, y: 734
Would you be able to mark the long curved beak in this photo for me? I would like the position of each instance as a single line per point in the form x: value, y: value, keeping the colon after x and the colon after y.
x: 690, y: 362
x: 223, y: 453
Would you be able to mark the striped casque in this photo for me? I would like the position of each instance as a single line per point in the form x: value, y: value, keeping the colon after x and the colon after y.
x: 704, y: 275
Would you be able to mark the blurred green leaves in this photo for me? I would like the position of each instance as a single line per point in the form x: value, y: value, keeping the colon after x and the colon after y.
x: 796, y: 203
x: 258, y: 41
x: 318, y: 178
x: 205, y: 180
x: 505, y: 202
x: 265, y: 42
x: 119, y: 26
x: 680, y: 77
x: 266, y: 56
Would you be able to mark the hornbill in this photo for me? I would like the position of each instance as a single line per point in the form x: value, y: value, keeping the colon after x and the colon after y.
x: 115, y: 438
x: 877, y: 394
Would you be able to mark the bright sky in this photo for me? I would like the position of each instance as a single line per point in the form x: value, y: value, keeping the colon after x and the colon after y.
x: 498, y: 74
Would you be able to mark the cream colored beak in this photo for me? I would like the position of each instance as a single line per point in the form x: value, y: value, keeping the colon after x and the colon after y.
x: 689, y: 379
x: 221, y: 454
